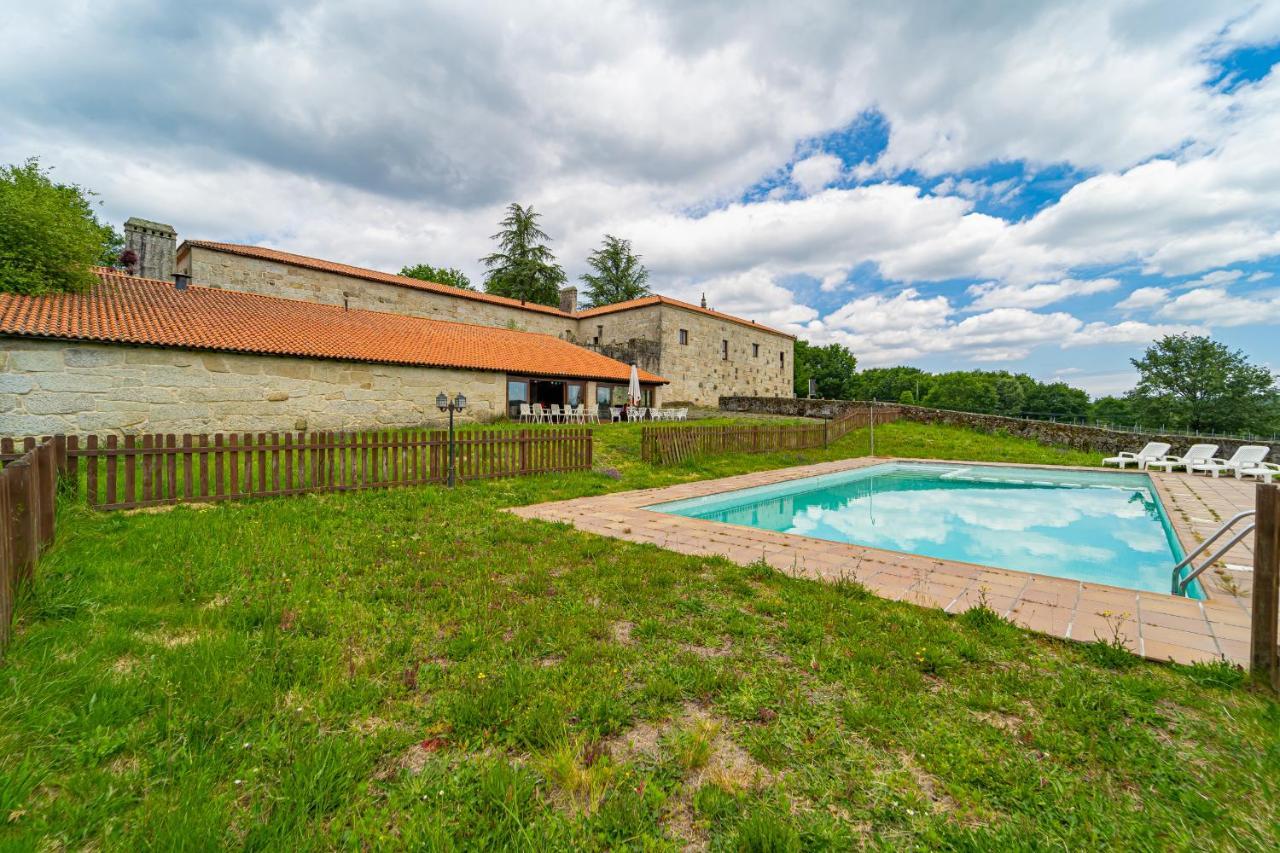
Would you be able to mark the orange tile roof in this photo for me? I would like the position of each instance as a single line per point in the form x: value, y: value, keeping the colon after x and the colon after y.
x: 128, y: 310
x: 667, y: 300
x: 367, y: 274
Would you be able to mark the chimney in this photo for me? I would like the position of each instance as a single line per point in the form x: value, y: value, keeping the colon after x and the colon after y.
x: 181, y: 281
x: 704, y: 300
x: 155, y: 244
x: 568, y: 299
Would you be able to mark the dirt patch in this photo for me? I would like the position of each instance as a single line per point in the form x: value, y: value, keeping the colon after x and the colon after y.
x: 1005, y: 722
x: 722, y: 763
x: 705, y: 652
x: 124, y: 665
x: 214, y: 603
x: 123, y: 765
x: 939, y: 800
x: 550, y: 660
x: 171, y: 640
x: 622, y: 632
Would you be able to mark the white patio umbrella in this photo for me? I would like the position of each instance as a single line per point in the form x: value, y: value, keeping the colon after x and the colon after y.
x: 633, y: 390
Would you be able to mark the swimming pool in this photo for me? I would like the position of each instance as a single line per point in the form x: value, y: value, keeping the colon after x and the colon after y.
x: 1107, y: 528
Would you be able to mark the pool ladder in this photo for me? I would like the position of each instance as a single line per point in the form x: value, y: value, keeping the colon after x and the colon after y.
x: 1180, y: 583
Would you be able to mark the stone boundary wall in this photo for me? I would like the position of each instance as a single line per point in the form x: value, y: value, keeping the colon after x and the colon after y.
x: 1094, y: 439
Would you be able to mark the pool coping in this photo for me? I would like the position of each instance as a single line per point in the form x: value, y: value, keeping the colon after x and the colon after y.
x: 1155, y: 625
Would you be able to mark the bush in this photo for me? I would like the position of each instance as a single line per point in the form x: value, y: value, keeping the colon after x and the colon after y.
x: 49, y: 237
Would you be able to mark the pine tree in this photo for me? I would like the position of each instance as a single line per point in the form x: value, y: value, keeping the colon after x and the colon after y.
x: 619, y: 276
x: 523, y: 267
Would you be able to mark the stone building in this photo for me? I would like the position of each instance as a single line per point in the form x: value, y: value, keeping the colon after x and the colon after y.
x: 143, y: 355
x: 703, y: 354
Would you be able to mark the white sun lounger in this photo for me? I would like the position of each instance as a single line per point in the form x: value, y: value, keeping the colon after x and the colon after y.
x: 1197, y: 454
x: 1153, y: 451
x: 1246, y: 458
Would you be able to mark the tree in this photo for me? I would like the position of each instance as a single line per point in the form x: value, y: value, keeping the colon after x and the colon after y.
x: 619, y: 276
x: 1192, y: 382
x: 523, y: 267
x: 962, y: 391
x: 1010, y: 397
x: 1111, y: 410
x: 49, y: 235
x: 452, y: 276
x: 832, y: 366
x: 889, y: 383
x: 906, y: 398
x: 1057, y: 400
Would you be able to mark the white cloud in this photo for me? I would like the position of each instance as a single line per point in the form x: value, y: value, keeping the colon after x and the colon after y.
x: 816, y: 172
x: 1143, y: 297
x: 1259, y: 276
x: 991, y: 294
x: 1215, y: 306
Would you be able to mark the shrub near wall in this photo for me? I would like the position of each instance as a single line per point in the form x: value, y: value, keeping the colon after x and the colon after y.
x: 1076, y: 437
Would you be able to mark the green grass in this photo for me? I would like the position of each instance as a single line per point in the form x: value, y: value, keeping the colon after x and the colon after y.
x: 417, y: 668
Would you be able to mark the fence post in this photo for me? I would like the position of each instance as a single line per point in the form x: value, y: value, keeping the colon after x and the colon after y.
x: 45, y: 488
x: 524, y: 451
x: 21, y: 521
x: 1264, y: 657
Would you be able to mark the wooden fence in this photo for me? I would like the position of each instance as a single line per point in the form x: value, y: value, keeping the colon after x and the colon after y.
x: 665, y: 445
x: 156, y: 469
x: 28, y: 492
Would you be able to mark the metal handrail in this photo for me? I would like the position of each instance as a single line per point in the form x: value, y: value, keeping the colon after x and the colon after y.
x: 1180, y: 584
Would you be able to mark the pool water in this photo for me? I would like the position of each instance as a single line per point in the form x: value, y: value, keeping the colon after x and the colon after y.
x: 1090, y: 526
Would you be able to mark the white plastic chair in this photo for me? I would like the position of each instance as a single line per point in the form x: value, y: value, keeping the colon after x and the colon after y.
x: 526, y: 413
x: 615, y: 414
x: 539, y: 413
x: 1197, y: 454
x: 1265, y: 471
x: 641, y: 413
x: 593, y: 414
x: 579, y: 414
x: 682, y: 414
x: 1246, y: 458
x: 557, y: 415
x: 1153, y: 451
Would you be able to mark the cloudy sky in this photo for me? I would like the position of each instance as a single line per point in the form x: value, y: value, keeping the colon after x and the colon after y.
x: 1042, y: 187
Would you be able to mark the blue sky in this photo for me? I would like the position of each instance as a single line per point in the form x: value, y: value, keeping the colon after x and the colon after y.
x: 1038, y: 187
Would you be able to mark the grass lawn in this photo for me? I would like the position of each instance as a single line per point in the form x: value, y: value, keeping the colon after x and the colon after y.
x: 415, y: 667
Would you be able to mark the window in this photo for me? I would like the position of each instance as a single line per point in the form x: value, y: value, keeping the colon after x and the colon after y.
x: 724, y: 350
x: 755, y: 350
x: 782, y: 360
x: 517, y: 393
x: 574, y: 393
x: 684, y: 337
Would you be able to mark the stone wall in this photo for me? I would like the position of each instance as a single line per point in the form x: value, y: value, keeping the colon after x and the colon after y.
x: 54, y: 386
x: 287, y: 281
x: 1092, y: 439
x: 700, y: 373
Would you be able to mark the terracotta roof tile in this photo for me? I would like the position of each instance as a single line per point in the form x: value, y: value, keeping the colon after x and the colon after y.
x: 367, y: 274
x: 667, y: 300
x: 128, y: 310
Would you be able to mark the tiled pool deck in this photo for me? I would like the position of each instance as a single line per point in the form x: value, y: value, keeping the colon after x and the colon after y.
x: 1161, y: 627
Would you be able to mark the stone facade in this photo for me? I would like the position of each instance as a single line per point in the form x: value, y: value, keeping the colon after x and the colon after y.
x: 759, y: 361
x: 56, y: 386
x: 287, y: 281
x: 1092, y: 439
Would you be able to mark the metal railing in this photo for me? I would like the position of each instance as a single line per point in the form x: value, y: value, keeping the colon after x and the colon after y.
x: 1180, y: 583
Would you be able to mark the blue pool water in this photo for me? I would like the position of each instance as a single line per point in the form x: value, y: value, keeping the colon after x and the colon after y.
x: 1097, y: 527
